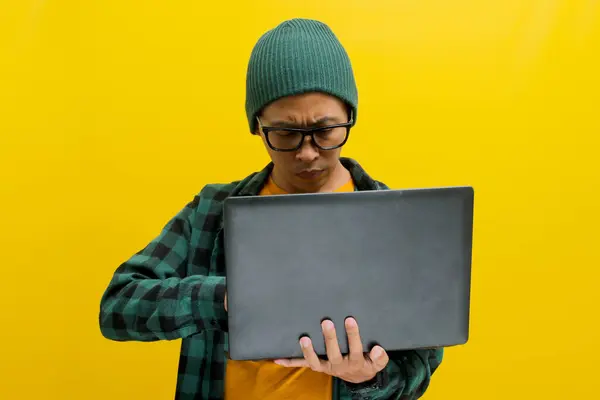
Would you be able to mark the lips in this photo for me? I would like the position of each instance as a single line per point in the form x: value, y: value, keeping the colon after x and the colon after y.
x: 310, y: 174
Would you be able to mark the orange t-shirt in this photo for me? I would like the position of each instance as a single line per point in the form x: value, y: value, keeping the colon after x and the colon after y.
x: 265, y: 380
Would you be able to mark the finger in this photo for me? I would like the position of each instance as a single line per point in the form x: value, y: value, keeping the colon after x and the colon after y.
x: 356, y: 353
x: 311, y: 358
x: 332, y: 345
x: 292, y: 363
x: 379, y: 358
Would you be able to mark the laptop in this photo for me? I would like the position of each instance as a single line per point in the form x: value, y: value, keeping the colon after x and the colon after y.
x: 399, y: 261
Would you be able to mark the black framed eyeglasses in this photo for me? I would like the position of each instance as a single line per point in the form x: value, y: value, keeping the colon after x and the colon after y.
x: 291, y: 139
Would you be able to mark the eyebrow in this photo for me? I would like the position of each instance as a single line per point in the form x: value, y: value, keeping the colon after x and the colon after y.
x: 320, y: 122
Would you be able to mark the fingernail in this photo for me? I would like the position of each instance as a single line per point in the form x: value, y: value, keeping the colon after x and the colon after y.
x: 327, y: 325
x: 351, y: 322
x: 305, y: 342
x: 377, y: 352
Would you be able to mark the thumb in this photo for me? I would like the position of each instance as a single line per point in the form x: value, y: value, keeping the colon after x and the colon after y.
x: 379, y: 358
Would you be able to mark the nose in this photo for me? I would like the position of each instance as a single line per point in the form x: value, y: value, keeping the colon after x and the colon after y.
x: 308, y: 152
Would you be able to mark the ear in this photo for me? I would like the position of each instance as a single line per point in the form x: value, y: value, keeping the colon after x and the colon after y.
x: 256, y: 127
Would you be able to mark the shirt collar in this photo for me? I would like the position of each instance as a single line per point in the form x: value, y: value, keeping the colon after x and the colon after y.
x: 251, y: 185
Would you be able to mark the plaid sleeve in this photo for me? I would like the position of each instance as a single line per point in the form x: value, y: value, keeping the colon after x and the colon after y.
x: 408, y: 375
x: 150, y: 296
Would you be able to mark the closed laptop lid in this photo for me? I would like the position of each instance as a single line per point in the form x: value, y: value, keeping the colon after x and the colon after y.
x: 399, y: 261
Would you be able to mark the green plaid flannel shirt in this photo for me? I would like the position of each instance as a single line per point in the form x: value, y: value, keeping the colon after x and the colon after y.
x: 174, y: 288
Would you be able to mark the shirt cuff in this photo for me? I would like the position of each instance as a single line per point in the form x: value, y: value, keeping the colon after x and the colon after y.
x: 379, y: 382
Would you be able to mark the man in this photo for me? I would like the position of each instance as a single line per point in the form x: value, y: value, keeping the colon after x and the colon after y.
x: 302, y: 102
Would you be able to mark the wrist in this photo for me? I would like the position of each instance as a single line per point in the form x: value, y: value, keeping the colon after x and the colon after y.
x: 377, y: 382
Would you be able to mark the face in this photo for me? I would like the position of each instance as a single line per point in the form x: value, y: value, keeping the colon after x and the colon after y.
x: 308, y: 169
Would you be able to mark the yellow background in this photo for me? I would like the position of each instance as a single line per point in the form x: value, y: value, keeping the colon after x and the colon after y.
x: 113, y: 114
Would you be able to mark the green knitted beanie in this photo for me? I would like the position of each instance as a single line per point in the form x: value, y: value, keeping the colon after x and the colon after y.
x: 298, y: 56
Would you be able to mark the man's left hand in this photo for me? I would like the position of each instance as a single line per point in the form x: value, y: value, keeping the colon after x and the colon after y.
x: 356, y: 367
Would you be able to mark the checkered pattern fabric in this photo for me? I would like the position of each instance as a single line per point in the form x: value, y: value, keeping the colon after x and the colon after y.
x: 174, y: 288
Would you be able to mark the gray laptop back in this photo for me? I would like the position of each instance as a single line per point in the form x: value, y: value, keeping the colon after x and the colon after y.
x: 399, y: 261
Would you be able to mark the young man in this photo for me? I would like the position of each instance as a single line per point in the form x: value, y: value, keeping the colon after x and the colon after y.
x: 302, y: 102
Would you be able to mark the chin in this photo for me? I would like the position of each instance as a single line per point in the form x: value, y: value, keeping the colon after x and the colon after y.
x: 313, y: 185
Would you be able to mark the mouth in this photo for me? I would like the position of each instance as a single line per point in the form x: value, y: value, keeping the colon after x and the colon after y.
x: 310, y: 174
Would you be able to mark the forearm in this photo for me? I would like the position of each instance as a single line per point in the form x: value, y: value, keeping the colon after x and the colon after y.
x: 406, y: 377
x: 162, y: 309
x: 411, y: 373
